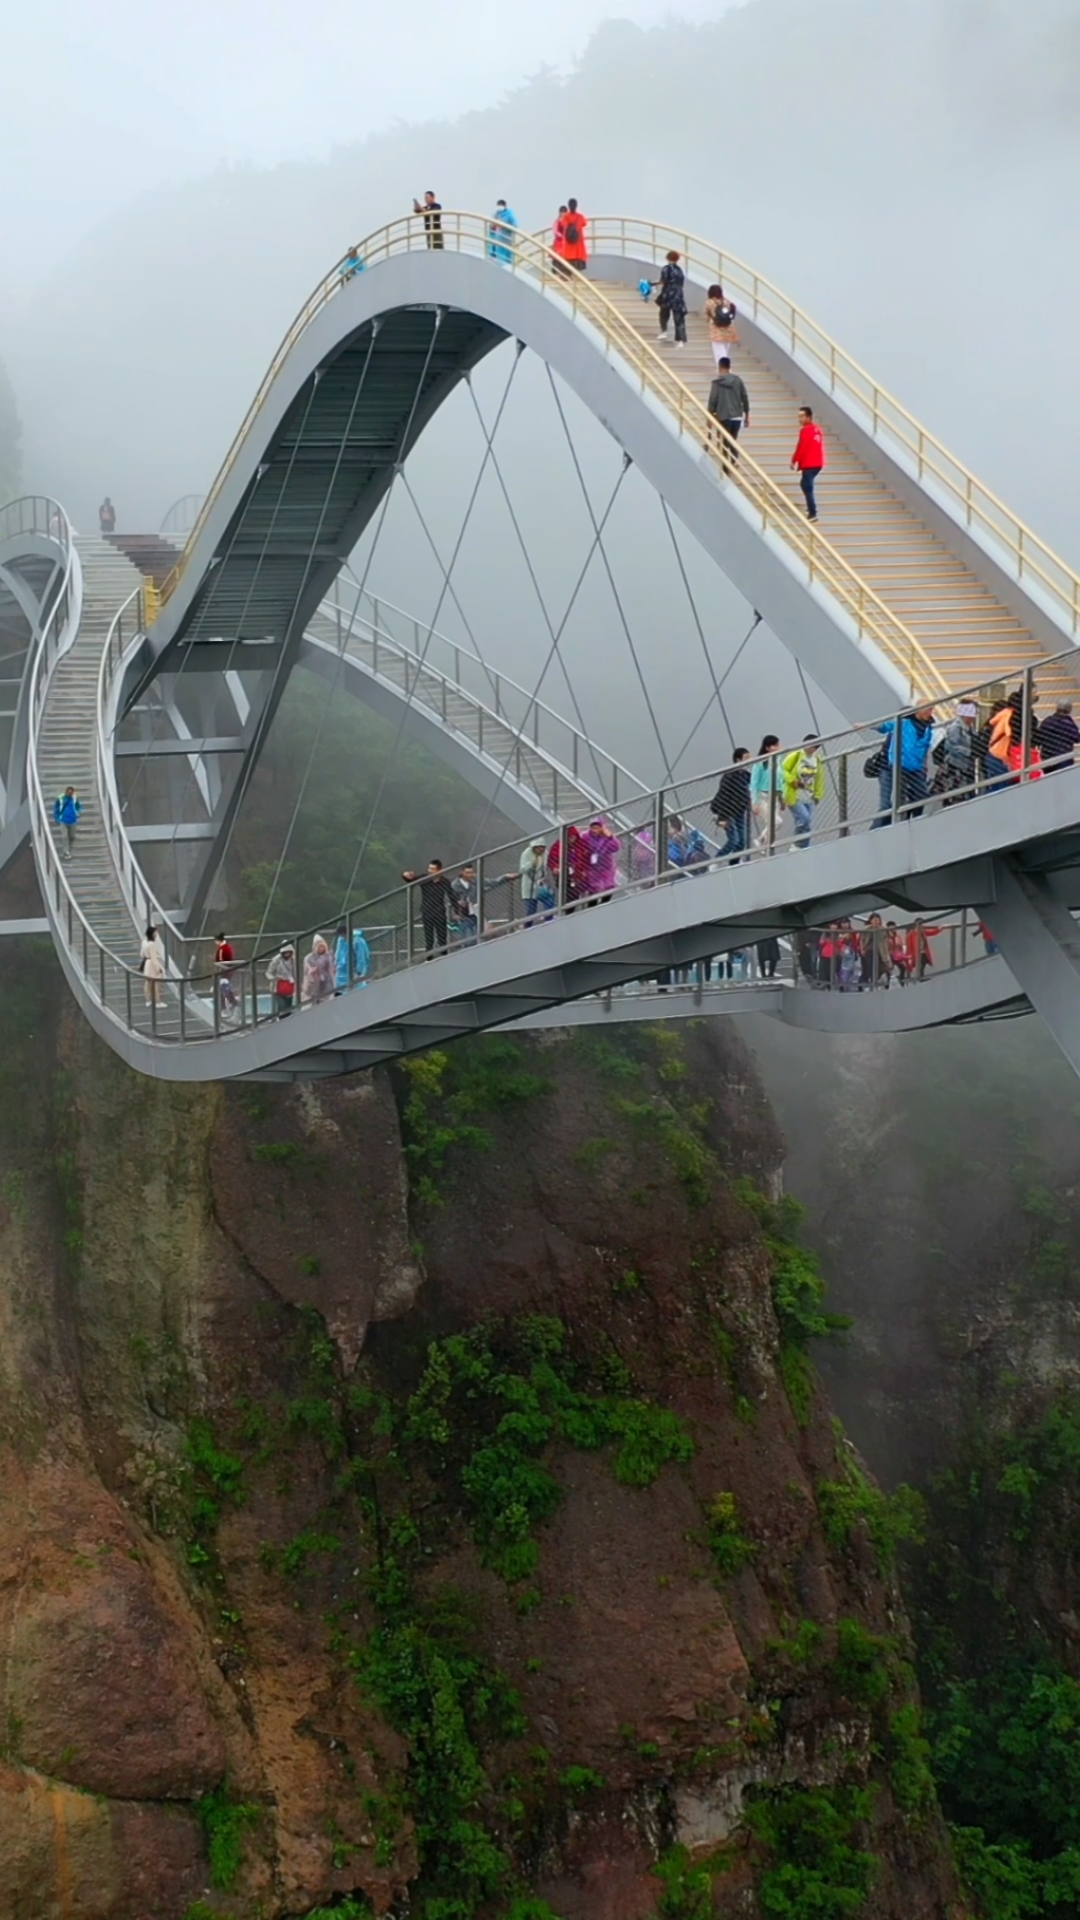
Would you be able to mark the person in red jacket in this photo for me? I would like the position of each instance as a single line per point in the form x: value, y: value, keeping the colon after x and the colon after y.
x: 574, y: 250
x: 809, y: 457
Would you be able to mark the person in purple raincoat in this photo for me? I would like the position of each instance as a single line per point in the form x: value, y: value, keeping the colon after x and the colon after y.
x: 602, y: 851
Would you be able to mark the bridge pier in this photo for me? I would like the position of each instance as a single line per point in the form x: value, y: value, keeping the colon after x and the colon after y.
x: 1040, y: 943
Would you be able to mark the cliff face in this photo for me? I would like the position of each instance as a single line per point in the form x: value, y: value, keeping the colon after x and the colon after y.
x: 419, y: 1490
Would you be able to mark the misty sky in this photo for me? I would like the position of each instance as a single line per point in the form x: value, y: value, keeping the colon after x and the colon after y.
x: 124, y: 97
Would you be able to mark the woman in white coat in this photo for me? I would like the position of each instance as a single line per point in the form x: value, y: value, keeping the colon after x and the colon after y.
x: 152, y: 963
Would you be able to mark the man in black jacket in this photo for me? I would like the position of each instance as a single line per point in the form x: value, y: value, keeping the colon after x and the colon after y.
x: 1057, y: 736
x: 729, y: 404
x: 731, y: 803
x: 436, y: 895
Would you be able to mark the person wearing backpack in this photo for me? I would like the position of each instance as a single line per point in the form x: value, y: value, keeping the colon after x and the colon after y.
x: 720, y: 314
x: 574, y: 248
x: 671, y: 300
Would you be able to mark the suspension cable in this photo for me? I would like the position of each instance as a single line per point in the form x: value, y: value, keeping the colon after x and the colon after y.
x: 697, y: 622
x: 551, y: 654
x: 722, y: 682
x: 611, y: 582
x: 488, y: 455
x: 553, y: 634
x: 446, y: 589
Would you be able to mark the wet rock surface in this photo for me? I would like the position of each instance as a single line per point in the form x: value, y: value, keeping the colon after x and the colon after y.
x: 208, y: 1296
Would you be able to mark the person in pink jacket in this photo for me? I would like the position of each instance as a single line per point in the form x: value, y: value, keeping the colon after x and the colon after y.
x: 602, y: 850
x: 809, y: 457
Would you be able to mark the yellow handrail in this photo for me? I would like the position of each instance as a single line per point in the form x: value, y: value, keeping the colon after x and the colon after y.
x: 978, y: 505
x: 469, y: 233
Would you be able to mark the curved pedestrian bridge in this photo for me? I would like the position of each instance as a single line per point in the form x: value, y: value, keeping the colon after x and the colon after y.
x: 916, y: 583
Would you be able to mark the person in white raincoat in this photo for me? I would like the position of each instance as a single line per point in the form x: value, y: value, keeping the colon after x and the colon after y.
x: 152, y: 964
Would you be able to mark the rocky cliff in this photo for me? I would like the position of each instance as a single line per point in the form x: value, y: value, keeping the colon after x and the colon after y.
x: 416, y: 1495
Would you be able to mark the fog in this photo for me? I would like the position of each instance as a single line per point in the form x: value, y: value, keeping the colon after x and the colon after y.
x: 906, y: 168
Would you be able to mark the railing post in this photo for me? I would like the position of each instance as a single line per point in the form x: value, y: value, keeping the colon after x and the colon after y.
x: 479, y: 897
x: 842, y: 787
x: 1026, y: 707
x: 563, y: 890
x: 770, y: 833
x: 897, y: 771
x: 660, y: 833
x: 410, y: 887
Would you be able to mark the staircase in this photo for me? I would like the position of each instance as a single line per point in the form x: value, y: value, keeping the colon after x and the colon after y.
x: 968, y: 633
x: 562, y: 795
x: 67, y: 755
x: 154, y: 554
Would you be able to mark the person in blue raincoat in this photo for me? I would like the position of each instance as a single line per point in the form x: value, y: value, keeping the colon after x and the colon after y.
x: 501, y: 233
x: 361, y: 959
x: 66, y: 811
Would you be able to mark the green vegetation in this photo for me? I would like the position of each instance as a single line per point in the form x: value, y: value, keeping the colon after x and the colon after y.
x: 798, y: 1293
x: 800, y: 1647
x: 863, y: 1666
x: 217, y: 1474
x: 488, y: 1406
x: 1006, y: 1752
x: 350, y: 1906
x: 1045, y: 1455
x: 277, y: 1152
x: 854, y: 1502
x: 446, y: 1089
x: 225, y: 1822
x: 299, y: 1552
x: 679, y: 1131
x: 688, y: 1885
x: 578, y: 1782
x: 1003, y: 1717
x: 909, y: 1753
x: 727, y: 1543
x: 817, y: 1867
x: 420, y: 1667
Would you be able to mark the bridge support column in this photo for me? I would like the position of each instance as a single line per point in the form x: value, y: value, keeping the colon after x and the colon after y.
x: 1040, y: 942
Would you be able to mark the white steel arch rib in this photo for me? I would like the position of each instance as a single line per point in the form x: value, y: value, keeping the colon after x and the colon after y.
x: 914, y: 586
x: 299, y: 485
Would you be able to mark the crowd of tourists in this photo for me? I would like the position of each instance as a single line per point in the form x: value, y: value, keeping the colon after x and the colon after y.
x: 331, y: 967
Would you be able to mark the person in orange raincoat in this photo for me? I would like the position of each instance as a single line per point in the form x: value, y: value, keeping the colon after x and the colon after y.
x: 919, y: 956
x: 574, y: 249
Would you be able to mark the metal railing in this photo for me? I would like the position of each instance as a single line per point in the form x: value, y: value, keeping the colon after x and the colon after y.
x: 873, y: 621
x: 64, y: 912
x: 976, y: 506
x: 435, y: 668
x: 800, y: 797
x: 183, y: 514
